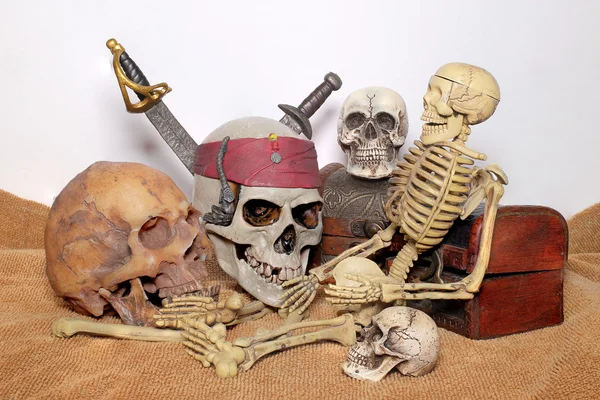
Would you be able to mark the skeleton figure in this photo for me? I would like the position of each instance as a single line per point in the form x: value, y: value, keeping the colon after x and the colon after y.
x: 371, y: 129
x: 436, y: 184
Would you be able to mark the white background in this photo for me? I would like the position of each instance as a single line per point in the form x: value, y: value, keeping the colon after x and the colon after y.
x: 61, y: 108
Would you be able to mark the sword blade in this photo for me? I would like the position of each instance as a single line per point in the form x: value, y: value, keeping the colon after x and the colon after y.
x: 182, y: 144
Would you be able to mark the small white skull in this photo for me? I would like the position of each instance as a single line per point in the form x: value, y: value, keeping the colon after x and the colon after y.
x: 458, y: 95
x: 269, y: 238
x: 371, y: 129
x: 400, y: 337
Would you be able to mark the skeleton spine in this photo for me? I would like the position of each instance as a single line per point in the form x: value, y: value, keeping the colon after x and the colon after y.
x: 404, y: 261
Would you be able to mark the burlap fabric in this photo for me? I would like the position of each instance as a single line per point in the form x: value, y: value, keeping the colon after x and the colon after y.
x: 557, y: 362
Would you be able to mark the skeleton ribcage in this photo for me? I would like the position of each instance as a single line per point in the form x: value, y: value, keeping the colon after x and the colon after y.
x: 428, y: 192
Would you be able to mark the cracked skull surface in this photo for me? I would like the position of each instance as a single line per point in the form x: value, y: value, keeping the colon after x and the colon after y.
x: 276, y: 217
x: 121, y: 235
x: 371, y: 129
x: 400, y: 337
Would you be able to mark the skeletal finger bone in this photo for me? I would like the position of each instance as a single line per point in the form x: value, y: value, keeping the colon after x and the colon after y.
x: 302, y: 309
x: 173, y: 312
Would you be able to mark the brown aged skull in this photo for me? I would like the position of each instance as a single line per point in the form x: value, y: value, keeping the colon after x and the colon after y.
x: 121, y: 233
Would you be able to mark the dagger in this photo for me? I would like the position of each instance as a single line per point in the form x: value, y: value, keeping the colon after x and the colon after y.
x: 297, y: 117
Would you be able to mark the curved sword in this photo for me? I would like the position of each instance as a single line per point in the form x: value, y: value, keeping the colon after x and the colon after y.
x: 129, y: 75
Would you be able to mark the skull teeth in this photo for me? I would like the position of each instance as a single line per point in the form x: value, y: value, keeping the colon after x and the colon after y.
x: 371, y: 155
x: 272, y: 274
x: 429, y: 116
x: 433, y: 129
x: 360, y: 359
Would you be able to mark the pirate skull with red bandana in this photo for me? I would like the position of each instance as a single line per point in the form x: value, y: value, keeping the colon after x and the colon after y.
x: 256, y: 185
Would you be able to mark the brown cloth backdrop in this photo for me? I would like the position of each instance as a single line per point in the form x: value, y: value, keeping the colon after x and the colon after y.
x: 556, y: 362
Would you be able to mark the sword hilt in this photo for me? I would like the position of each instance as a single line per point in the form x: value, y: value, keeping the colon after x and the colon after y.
x: 129, y: 75
x: 297, y: 117
x: 133, y: 72
x: 317, y: 98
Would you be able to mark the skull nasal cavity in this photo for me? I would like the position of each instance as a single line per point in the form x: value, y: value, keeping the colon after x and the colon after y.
x: 155, y: 233
x: 370, y: 132
x: 287, y: 241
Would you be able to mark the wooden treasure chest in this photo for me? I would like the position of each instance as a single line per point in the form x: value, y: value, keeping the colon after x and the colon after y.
x: 523, y: 287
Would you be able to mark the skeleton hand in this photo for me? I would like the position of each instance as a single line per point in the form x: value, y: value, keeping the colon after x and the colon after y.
x: 367, y: 292
x: 174, y: 311
x: 208, y: 345
x: 302, y: 292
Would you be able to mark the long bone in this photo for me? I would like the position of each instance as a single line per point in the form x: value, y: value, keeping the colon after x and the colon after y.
x: 67, y: 327
x: 230, y: 311
x: 207, y: 345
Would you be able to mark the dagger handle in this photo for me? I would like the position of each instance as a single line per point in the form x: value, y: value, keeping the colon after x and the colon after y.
x: 317, y: 97
x: 133, y: 72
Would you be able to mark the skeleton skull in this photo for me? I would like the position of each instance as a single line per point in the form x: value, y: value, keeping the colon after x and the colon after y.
x: 371, y: 129
x: 458, y: 95
x: 269, y: 238
x: 400, y: 337
x: 120, y: 231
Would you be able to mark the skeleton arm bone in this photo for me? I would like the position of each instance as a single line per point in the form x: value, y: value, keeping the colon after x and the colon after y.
x: 380, y: 240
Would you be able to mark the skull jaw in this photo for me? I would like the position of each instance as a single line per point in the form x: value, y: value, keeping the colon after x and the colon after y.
x: 364, y: 373
x: 432, y: 132
x: 133, y: 309
x: 380, y: 171
x: 375, y: 169
x: 268, y: 293
x: 244, y: 274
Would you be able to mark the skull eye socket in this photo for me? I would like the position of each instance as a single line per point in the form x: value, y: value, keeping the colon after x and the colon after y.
x: 261, y: 212
x: 307, y: 215
x: 377, y: 335
x: 155, y: 233
x: 355, y: 120
x: 385, y: 121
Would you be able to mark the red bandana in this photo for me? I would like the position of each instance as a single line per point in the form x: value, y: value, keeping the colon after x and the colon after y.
x: 284, y: 162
